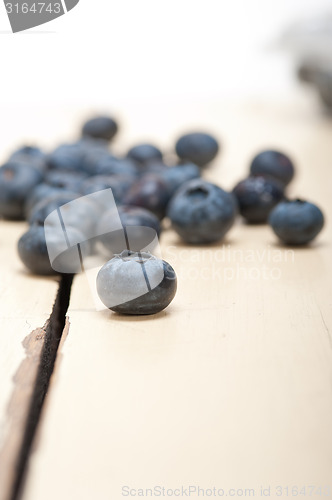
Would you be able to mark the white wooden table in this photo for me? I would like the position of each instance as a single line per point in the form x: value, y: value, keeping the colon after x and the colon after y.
x: 230, y: 386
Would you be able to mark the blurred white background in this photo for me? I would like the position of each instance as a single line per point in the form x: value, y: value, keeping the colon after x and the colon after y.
x: 113, y: 55
x: 107, y: 51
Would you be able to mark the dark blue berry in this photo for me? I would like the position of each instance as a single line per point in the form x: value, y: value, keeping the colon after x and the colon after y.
x: 33, y: 250
x: 43, y: 191
x: 274, y: 165
x: 202, y: 212
x: 65, y: 179
x: 144, y: 153
x: 66, y: 157
x: 151, y: 192
x: 140, y: 229
x: 17, y: 180
x: 136, y: 283
x: 105, y: 163
x: 100, y: 127
x: 179, y: 174
x: 119, y: 184
x: 256, y: 197
x: 296, y: 222
x: 31, y: 152
x: 73, y: 156
x: 197, y: 147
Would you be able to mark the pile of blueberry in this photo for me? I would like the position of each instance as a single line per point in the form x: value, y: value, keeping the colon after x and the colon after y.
x: 146, y: 189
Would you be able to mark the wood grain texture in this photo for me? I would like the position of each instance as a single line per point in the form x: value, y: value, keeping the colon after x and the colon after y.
x: 18, y: 410
x: 26, y: 303
x: 231, y: 385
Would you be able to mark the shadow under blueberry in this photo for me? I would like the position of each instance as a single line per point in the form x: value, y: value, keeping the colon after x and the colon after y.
x: 180, y: 244
x: 114, y: 316
x: 308, y: 246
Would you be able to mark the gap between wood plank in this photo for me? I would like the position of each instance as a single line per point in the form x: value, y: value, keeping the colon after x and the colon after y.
x: 31, y: 384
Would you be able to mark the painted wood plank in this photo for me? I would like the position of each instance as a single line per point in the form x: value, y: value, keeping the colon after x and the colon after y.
x: 231, y: 385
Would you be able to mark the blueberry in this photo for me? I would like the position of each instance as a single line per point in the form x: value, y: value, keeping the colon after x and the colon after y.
x: 17, y: 180
x: 141, y: 228
x: 136, y: 283
x: 202, y: 212
x: 118, y: 183
x: 27, y: 150
x: 197, y: 147
x: 66, y: 157
x: 31, y: 155
x: 32, y: 249
x: 82, y: 214
x: 46, y: 205
x: 274, y: 165
x: 144, y: 153
x: 72, y: 156
x: 151, y: 192
x: 100, y: 127
x: 105, y: 163
x: 296, y: 222
x: 65, y: 179
x: 42, y: 191
x: 256, y: 197
x: 179, y: 174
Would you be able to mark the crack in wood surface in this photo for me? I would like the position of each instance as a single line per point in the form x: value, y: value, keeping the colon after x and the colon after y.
x: 31, y: 384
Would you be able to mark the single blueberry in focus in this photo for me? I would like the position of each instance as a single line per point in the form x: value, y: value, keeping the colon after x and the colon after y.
x: 140, y: 229
x: 296, y: 222
x: 273, y: 165
x: 144, y: 153
x: 136, y: 283
x: 17, y: 180
x: 33, y: 252
x: 100, y: 127
x: 256, y: 197
x: 197, y: 147
x: 201, y: 212
x: 151, y: 192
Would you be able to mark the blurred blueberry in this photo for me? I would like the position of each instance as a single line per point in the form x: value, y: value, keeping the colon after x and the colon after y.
x: 141, y: 227
x: 32, y: 249
x: 136, y: 283
x: 72, y: 156
x: 47, y: 205
x: 28, y: 152
x: 296, y: 222
x: 65, y: 179
x: 201, y: 212
x: 42, y: 191
x: 274, y: 165
x: 107, y: 164
x: 179, y: 174
x: 17, y: 180
x: 257, y: 196
x: 151, y: 192
x: 143, y: 153
x: 100, y: 127
x: 119, y: 184
x: 66, y: 157
x: 197, y: 147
